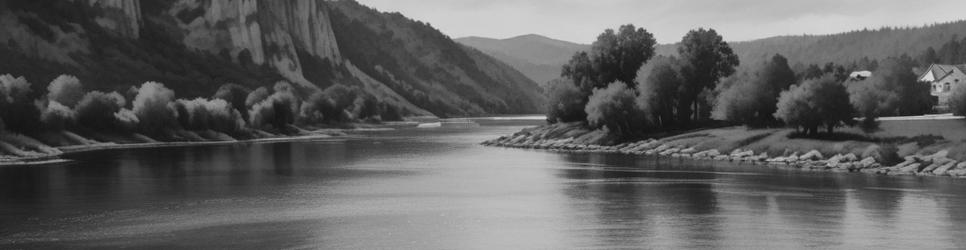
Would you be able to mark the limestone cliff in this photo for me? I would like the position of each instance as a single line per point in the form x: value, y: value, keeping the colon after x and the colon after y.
x: 223, y: 25
x: 307, y: 21
x: 194, y: 46
x: 263, y: 31
x: 121, y: 16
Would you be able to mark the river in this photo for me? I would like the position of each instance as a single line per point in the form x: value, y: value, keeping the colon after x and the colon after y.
x: 437, y: 188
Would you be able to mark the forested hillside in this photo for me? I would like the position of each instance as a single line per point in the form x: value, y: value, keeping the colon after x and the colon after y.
x: 536, y: 56
x: 802, y: 50
x: 845, y: 48
x: 195, y: 46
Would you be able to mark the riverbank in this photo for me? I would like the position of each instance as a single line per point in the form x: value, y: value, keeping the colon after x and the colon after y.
x: 52, y: 155
x: 923, y: 155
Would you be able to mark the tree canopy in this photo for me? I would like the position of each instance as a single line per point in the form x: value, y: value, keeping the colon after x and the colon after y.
x: 615, y: 57
x: 815, y: 103
x: 707, y: 58
x: 750, y: 98
x: 614, y: 108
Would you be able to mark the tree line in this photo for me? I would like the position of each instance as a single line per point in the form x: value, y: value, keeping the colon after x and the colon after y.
x: 152, y: 109
x: 619, y: 85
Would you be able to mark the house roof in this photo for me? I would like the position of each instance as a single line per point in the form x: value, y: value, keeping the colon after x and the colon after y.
x: 864, y: 73
x: 940, y: 71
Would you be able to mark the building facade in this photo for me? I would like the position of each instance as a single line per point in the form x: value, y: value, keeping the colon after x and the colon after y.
x: 942, y: 79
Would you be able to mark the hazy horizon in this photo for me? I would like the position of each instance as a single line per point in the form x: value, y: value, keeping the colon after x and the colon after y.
x: 562, y: 20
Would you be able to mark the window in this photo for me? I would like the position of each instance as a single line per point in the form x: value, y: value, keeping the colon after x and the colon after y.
x: 947, y: 87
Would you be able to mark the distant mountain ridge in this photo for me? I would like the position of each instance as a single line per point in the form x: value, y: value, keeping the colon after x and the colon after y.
x: 839, y: 48
x: 538, y: 57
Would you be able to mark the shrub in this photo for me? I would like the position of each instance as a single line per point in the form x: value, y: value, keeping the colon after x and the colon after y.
x: 17, y: 110
x: 815, y: 103
x: 66, y: 90
x: 566, y: 102
x: 957, y: 100
x: 235, y: 95
x: 614, y: 108
x: 657, y: 91
x: 96, y: 110
x: 751, y: 99
x: 277, y: 110
x: 256, y: 96
x: 152, y: 105
x: 56, y: 116
x: 313, y: 110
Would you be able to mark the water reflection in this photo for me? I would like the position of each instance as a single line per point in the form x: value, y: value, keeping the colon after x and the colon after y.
x: 438, y: 189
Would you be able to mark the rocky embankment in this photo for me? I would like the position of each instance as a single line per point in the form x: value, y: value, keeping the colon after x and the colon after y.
x: 937, y: 164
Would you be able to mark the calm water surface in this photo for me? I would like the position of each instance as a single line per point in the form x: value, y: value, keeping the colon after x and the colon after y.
x: 436, y: 188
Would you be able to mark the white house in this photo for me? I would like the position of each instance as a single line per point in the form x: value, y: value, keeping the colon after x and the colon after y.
x: 943, y: 79
x: 860, y: 75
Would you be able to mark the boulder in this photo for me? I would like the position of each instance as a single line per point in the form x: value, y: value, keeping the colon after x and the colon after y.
x: 743, y: 154
x: 931, y: 167
x: 944, y: 168
x: 868, y: 162
x: 792, y: 158
x: 734, y: 152
x: 904, y: 164
x: 850, y: 157
x: 938, y: 155
x: 958, y: 170
x: 914, y: 158
x: 702, y: 154
x: 690, y: 150
x: 713, y: 153
x: 911, y: 168
x: 813, y: 155
x: 837, y: 158
x: 761, y: 157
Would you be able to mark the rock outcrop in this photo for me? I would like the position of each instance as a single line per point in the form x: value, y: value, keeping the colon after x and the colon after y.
x: 307, y: 22
x: 121, y: 16
x: 194, y: 46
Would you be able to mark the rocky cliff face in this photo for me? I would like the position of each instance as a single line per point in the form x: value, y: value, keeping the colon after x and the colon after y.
x: 307, y: 22
x: 220, y: 25
x: 194, y: 46
x: 121, y: 16
x: 262, y: 31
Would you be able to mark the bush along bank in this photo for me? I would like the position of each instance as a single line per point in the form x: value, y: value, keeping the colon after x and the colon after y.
x: 935, y: 164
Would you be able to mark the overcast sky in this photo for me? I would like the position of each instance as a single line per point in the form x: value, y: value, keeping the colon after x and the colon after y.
x: 737, y: 20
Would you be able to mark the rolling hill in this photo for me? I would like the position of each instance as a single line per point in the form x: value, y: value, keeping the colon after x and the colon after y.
x: 540, y: 58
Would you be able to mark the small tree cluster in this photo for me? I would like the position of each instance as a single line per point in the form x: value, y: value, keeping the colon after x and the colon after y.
x: 751, y: 98
x: 615, y: 108
x: 154, y: 109
x: 821, y: 102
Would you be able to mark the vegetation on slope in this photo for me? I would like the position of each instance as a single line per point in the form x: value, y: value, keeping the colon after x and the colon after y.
x: 427, y: 67
x: 402, y: 64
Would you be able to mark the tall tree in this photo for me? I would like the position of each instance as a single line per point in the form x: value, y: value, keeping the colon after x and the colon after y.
x: 657, y: 91
x: 707, y: 58
x: 896, y: 79
x: 751, y: 98
x: 614, y: 57
x: 580, y: 71
x: 618, y: 56
x: 815, y: 103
